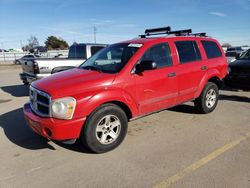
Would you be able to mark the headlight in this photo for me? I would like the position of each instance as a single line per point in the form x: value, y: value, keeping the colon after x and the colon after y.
x: 63, y: 108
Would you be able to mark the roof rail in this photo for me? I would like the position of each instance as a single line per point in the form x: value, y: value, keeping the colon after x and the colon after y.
x: 199, y: 34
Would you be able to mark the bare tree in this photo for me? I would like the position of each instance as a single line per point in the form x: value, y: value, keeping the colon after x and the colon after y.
x: 226, y: 45
x: 32, y: 43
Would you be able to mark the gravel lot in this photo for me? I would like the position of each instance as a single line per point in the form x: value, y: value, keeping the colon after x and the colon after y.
x: 174, y: 148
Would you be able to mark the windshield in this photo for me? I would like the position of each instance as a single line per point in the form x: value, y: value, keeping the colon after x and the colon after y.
x: 111, y: 59
x: 245, y: 55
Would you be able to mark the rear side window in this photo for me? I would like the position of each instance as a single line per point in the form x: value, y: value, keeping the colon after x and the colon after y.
x: 77, y: 51
x: 211, y: 48
x: 160, y: 54
x: 95, y: 49
x: 188, y: 51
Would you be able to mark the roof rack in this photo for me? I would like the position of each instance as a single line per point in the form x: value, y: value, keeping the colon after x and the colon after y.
x: 156, y: 31
x: 181, y: 32
x: 167, y: 30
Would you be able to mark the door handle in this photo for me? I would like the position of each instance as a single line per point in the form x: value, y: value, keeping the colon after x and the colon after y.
x: 204, y: 68
x: 172, y: 74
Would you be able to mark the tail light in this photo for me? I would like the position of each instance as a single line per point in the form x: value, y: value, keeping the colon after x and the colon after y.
x: 36, y: 68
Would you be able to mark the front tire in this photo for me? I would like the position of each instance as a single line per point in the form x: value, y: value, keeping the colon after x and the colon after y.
x: 208, y: 99
x: 105, y: 128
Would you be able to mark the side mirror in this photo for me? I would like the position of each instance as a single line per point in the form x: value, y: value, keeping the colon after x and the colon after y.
x: 145, y: 65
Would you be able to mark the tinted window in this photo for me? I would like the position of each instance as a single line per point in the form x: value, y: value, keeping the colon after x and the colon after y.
x: 160, y: 54
x: 95, y: 49
x: 245, y: 55
x: 231, y: 54
x: 188, y: 51
x: 211, y: 48
x: 77, y: 51
x: 28, y: 56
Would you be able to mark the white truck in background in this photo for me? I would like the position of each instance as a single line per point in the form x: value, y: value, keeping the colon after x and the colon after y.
x: 42, y: 67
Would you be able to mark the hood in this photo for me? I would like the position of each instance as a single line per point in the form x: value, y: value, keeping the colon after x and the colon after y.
x: 240, y: 63
x: 73, y: 82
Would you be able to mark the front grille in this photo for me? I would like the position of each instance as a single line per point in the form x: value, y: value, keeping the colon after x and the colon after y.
x: 40, y: 102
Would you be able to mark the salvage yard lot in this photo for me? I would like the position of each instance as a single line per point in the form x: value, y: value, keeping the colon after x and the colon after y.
x: 176, y: 147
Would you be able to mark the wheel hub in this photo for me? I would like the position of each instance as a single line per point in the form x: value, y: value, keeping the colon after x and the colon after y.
x: 211, y: 98
x: 108, y: 129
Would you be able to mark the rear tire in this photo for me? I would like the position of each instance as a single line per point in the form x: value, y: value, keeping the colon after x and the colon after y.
x: 208, y: 99
x: 105, y: 128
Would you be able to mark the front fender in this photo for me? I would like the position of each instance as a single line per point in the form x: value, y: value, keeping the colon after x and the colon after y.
x: 209, y: 74
x: 88, y: 104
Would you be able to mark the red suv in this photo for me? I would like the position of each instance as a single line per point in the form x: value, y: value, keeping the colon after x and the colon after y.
x: 124, y: 81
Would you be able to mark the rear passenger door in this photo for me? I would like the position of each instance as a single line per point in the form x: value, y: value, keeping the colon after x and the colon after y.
x: 191, y: 69
x: 157, y: 89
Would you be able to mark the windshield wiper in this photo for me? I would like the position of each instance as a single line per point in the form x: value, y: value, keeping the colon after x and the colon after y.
x: 89, y: 67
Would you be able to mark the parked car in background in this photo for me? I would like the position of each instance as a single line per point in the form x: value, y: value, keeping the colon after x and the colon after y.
x: 124, y: 81
x: 239, y: 72
x: 3, y: 50
x: 26, y: 58
x: 232, y: 52
x: 38, y: 68
x: 40, y: 49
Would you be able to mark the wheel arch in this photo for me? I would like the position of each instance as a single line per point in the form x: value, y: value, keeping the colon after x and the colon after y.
x: 211, y: 76
x: 117, y: 97
x: 123, y: 106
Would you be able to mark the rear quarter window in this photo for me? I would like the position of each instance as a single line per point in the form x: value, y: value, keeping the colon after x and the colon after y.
x: 211, y: 48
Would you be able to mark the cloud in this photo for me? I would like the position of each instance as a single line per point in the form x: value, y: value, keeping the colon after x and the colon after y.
x: 126, y: 25
x: 220, y: 14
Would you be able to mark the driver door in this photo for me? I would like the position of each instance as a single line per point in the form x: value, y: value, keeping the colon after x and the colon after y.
x: 158, y: 88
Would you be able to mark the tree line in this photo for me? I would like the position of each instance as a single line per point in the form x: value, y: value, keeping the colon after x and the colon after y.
x: 51, y: 43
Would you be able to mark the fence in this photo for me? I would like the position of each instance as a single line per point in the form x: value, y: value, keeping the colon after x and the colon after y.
x: 11, y: 56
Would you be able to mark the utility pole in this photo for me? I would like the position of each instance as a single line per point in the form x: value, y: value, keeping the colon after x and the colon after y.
x: 95, y: 33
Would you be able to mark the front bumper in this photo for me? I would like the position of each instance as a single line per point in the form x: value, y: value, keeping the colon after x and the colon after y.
x: 51, y: 128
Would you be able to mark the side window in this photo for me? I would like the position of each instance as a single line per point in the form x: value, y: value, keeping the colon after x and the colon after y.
x: 188, y: 51
x: 160, y: 54
x: 95, y: 49
x: 211, y: 48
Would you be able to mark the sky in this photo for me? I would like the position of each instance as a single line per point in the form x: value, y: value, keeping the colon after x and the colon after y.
x: 118, y: 20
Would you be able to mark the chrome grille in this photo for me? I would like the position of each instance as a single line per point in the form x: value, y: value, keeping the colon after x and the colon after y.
x: 40, y: 102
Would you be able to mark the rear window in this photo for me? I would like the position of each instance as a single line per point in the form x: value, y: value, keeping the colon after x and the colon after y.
x: 211, y: 48
x: 188, y: 51
x: 95, y: 49
x: 77, y: 51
